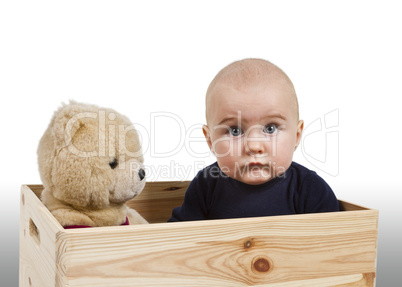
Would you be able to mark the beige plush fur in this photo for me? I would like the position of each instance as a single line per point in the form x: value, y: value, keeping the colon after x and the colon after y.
x: 90, y: 163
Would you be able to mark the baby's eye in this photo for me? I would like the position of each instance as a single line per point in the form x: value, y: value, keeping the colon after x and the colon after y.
x: 235, y: 131
x: 271, y: 129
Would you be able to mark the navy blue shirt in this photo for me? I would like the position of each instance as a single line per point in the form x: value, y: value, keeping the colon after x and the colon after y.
x: 214, y: 195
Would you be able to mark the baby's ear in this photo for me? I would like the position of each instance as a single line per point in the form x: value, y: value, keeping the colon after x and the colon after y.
x: 299, y: 132
x: 207, y: 135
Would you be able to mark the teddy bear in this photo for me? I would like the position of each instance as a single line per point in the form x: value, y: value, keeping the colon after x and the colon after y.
x: 91, y: 163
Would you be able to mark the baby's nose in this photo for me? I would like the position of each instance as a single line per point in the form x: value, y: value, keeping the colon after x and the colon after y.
x: 141, y: 174
x: 255, y: 147
x: 255, y: 142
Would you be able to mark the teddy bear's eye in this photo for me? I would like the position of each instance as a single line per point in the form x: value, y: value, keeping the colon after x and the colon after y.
x: 113, y: 163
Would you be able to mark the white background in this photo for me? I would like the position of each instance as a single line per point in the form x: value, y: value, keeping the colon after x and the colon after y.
x: 344, y: 58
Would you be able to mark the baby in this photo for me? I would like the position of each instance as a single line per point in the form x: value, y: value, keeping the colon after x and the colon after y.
x: 253, y: 129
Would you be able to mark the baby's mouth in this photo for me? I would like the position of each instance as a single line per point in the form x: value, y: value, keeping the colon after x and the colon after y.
x: 255, y: 165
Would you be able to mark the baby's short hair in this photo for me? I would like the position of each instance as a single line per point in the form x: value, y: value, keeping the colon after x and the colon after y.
x: 250, y: 70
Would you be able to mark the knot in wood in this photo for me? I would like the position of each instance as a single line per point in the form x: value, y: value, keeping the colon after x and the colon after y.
x: 261, y: 265
x: 172, y: 188
x: 247, y: 244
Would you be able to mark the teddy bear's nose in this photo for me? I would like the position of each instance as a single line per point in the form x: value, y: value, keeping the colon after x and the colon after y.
x: 141, y: 174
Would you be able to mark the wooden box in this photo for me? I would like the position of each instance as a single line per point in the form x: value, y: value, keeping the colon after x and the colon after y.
x: 326, y: 249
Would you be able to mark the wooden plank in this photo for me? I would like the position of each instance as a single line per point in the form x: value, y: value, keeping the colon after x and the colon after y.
x: 326, y: 249
x: 234, y: 252
x: 347, y: 206
x: 36, y: 188
x: 355, y: 280
x: 158, y: 199
x: 163, y: 190
x: 38, y: 230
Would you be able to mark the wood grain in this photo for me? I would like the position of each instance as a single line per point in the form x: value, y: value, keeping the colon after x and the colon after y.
x: 224, y: 252
x: 158, y: 199
x: 38, y: 229
x: 326, y: 249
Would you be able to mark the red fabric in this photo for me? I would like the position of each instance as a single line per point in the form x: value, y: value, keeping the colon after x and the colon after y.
x: 87, y: 226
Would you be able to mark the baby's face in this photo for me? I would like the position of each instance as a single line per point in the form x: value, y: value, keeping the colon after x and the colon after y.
x: 253, y: 130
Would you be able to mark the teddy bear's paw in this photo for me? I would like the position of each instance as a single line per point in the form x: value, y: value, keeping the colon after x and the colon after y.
x: 135, y: 218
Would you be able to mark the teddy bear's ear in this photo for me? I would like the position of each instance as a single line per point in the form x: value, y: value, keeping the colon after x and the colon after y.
x: 68, y: 120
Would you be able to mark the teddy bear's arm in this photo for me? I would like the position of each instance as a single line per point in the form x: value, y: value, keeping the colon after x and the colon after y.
x: 135, y: 218
x: 67, y: 217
